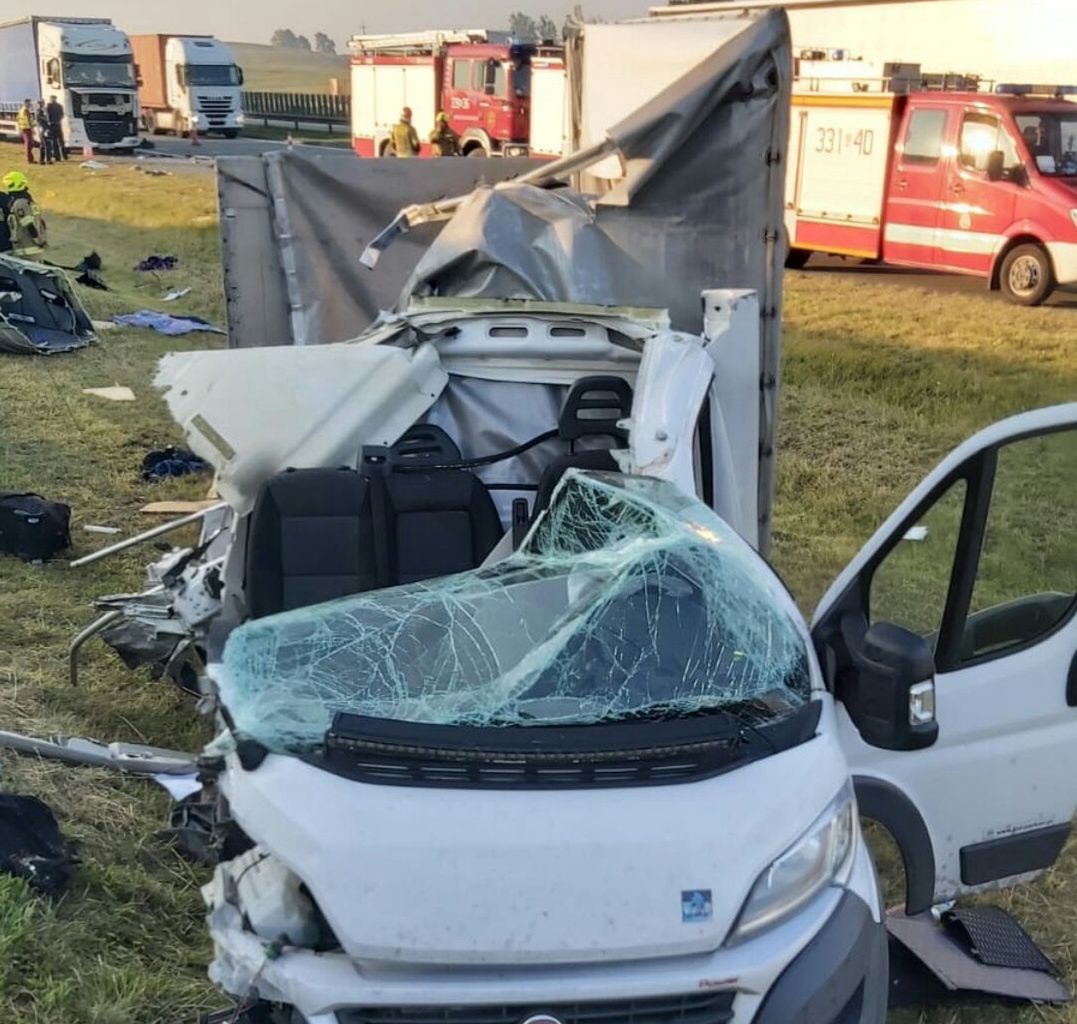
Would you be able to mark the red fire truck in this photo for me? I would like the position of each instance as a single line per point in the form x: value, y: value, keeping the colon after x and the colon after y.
x: 481, y: 80
x: 972, y: 182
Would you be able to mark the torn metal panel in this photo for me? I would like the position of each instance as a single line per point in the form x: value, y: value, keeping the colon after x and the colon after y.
x: 251, y: 413
x: 40, y: 314
x: 627, y: 599
x: 952, y: 964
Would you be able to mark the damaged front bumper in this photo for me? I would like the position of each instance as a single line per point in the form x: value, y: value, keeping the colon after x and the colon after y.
x: 825, y: 965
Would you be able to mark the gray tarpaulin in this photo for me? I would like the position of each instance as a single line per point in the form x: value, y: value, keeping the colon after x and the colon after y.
x: 294, y: 223
x: 699, y: 206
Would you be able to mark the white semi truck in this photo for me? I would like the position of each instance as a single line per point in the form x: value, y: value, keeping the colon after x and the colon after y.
x: 86, y: 63
x: 188, y: 82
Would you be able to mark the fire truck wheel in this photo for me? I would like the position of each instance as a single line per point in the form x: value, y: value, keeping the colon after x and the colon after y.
x: 477, y: 151
x: 1026, y: 277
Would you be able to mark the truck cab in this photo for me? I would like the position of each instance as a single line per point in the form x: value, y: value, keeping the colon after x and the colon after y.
x: 486, y: 92
x: 987, y: 185
x: 970, y: 182
x: 204, y: 85
x: 88, y: 66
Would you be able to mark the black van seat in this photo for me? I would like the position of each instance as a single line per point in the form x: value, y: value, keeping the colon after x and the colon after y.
x: 319, y: 534
x: 310, y: 539
x: 442, y: 522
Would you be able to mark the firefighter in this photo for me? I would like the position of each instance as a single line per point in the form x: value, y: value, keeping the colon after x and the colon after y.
x: 443, y: 139
x: 25, y: 226
x: 24, y: 121
x: 405, y: 138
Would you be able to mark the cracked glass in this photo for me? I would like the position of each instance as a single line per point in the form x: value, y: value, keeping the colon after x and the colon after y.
x: 628, y: 600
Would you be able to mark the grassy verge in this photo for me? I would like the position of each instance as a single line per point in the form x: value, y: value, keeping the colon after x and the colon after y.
x: 878, y: 383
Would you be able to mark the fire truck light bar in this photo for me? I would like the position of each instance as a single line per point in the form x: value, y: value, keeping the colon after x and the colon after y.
x: 1010, y: 89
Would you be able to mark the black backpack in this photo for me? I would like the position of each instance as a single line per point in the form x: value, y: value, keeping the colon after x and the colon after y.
x: 33, y: 528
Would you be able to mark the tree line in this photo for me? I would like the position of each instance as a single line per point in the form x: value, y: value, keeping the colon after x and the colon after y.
x: 286, y: 39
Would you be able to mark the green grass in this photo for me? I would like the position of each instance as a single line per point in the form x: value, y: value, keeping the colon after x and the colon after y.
x: 878, y: 383
x: 273, y: 69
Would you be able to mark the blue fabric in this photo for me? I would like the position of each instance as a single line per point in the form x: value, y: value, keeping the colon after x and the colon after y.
x: 165, y: 324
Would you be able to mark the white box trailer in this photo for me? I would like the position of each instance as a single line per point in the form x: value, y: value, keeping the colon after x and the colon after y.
x: 1002, y: 40
x: 86, y: 63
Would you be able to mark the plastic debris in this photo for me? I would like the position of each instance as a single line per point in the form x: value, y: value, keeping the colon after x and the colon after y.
x: 93, y: 165
x: 626, y: 600
x: 116, y: 393
x: 178, y: 293
x: 93, y: 528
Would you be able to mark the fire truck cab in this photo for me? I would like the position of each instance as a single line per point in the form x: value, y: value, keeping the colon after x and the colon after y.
x: 480, y: 79
x: 970, y: 182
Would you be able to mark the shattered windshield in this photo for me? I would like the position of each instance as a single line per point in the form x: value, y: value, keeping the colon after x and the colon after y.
x: 627, y: 601
x: 1052, y: 140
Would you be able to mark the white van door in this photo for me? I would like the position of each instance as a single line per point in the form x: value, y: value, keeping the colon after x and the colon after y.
x: 950, y: 644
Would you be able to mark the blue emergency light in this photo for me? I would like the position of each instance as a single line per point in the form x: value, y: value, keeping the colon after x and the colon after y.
x: 1012, y: 89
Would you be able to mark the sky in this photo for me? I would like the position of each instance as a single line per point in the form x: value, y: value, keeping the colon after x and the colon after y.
x: 254, y: 20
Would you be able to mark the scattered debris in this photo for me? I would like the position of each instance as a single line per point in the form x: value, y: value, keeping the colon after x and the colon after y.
x: 32, y: 527
x: 179, y: 786
x: 116, y: 393
x: 170, y: 508
x: 178, y: 293
x: 156, y: 172
x: 32, y: 846
x: 916, y: 533
x: 104, y: 325
x: 93, y: 165
x: 92, y: 528
x: 127, y: 757
x: 955, y: 957
x: 162, y: 323
x: 153, y: 264
x: 172, y: 461
x: 40, y: 314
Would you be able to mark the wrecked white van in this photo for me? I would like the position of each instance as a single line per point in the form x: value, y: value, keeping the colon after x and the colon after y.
x: 517, y: 726
x: 526, y: 729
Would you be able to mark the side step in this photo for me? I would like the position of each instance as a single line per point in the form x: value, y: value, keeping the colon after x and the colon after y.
x: 972, y: 950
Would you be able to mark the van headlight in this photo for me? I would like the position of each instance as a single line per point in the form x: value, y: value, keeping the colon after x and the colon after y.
x: 821, y: 856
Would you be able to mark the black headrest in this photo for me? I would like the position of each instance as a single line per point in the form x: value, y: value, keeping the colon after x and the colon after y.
x: 593, y: 406
x: 424, y: 444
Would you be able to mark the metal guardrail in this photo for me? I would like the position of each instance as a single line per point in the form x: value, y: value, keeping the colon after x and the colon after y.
x: 299, y: 108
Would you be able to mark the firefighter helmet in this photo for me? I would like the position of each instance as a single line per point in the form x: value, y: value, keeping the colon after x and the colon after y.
x: 15, y: 181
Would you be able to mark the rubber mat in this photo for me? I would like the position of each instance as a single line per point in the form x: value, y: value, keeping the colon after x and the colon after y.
x: 996, y: 939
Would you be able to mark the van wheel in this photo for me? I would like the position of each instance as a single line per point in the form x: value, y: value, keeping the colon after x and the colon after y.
x: 1026, y: 277
x: 797, y: 259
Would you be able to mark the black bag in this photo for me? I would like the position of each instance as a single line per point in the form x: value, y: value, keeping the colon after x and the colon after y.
x: 31, y: 846
x: 33, y: 528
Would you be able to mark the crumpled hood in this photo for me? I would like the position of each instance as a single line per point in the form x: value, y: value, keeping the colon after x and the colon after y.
x: 474, y: 876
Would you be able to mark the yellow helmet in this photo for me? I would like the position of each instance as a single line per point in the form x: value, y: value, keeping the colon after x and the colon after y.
x: 442, y: 116
x: 15, y: 181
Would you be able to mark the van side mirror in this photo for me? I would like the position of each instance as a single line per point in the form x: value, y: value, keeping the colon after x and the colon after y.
x: 890, y: 691
x: 996, y: 165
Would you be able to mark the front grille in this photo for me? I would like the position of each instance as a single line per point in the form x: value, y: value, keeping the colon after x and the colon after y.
x: 698, y: 1008
x: 108, y: 128
x: 394, y: 764
x: 214, y: 107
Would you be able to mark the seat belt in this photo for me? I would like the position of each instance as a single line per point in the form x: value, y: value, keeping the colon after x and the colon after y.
x: 376, y: 468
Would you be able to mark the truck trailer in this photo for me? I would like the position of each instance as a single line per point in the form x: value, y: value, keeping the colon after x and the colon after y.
x: 484, y: 81
x: 188, y: 82
x: 86, y: 63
